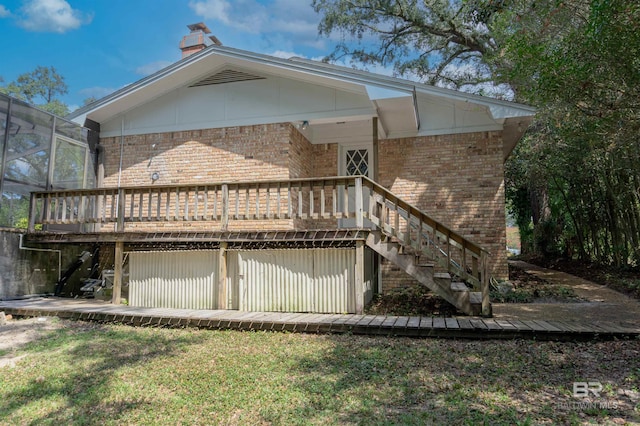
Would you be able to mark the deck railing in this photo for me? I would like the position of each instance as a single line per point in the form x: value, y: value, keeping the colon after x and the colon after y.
x: 356, y: 201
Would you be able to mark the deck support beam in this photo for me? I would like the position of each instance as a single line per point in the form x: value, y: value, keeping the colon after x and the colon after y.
x: 359, y: 277
x: 222, y: 276
x: 117, y: 272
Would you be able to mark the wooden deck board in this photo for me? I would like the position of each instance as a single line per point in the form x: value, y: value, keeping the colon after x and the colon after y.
x: 451, y: 323
x: 547, y: 326
x: 353, y: 319
x: 426, y: 322
x: 620, y: 328
x: 491, y: 324
x: 414, y: 322
x: 365, y: 320
x: 467, y: 327
x: 521, y: 326
x: 465, y: 324
x: 377, y: 321
x: 401, y: 322
x: 478, y: 324
x: 572, y: 326
x: 389, y: 322
x: 506, y: 325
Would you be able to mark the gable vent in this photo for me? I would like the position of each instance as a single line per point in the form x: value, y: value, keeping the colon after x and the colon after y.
x: 226, y: 76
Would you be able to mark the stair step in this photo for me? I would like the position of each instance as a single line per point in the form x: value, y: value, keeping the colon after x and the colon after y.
x: 459, y: 287
x: 420, y: 269
x: 475, y: 297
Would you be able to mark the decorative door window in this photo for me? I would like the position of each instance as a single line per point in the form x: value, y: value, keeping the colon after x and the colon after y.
x: 357, y: 162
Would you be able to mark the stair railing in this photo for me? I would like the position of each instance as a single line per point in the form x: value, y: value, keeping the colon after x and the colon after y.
x: 420, y: 234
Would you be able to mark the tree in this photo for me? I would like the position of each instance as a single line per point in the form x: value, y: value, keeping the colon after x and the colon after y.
x: 586, y: 150
x: 577, y: 172
x: 443, y: 42
x: 43, y: 83
x: 56, y: 107
x: 89, y: 100
x: 40, y: 87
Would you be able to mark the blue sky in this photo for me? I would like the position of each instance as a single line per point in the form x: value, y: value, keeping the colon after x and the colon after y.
x: 102, y: 45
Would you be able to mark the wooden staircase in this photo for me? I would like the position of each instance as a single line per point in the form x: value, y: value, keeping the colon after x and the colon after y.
x: 447, y: 263
x: 441, y: 283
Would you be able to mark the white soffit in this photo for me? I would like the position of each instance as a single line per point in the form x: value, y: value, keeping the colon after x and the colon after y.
x: 375, y: 93
x: 397, y: 116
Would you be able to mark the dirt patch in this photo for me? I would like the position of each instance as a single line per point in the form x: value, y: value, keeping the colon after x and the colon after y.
x: 524, y: 287
x: 417, y: 300
x: 17, y: 333
x: 624, y: 280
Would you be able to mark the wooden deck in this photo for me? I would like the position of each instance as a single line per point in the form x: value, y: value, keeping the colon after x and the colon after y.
x: 414, y: 326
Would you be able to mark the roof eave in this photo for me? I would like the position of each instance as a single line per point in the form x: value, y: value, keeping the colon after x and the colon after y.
x: 499, y: 109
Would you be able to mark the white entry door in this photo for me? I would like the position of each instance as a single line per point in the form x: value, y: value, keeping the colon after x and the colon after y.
x: 356, y: 160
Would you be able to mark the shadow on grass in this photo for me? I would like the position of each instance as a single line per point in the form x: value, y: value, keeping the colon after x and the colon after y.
x: 124, y: 375
x: 88, y: 357
x: 405, y: 381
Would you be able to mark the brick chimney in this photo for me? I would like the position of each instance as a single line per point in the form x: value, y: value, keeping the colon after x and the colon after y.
x: 197, y: 39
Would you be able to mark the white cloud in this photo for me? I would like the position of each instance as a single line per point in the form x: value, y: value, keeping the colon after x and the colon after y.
x: 246, y: 15
x: 51, y: 16
x: 286, y: 55
x: 4, y: 12
x: 277, y: 21
x: 212, y: 9
x: 150, y: 68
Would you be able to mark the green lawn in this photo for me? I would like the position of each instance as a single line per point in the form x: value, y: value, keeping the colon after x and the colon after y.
x: 85, y: 373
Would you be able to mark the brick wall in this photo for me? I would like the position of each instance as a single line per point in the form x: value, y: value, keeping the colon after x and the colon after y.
x: 325, y: 160
x: 458, y: 180
x: 244, y: 153
x: 300, y: 155
x: 211, y: 155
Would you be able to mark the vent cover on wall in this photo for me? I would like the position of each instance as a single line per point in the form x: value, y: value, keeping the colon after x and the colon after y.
x: 226, y: 76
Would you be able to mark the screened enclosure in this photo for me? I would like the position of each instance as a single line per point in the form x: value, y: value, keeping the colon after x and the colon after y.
x: 38, y: 152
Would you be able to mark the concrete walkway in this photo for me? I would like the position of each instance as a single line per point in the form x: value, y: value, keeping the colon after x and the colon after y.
x: 603, y: 303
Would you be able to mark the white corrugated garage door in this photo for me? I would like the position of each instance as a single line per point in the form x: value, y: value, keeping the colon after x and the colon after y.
x: 296, y: 280
x: 174, y: 279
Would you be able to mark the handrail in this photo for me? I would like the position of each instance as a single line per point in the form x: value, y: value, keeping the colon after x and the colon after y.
x: 425, y: 235
x: 436, y: 224
x: 296, y: 201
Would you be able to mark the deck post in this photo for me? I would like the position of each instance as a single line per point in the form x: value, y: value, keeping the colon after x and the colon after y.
x: 117, y: 272
x: 484, y: 286
x: 359, y: 203
x: 222, y: 276
x: 121, y: 203
x: 474, y: 268
x: 32, y: 214
x: 225, y: 206
x: 359, y: 277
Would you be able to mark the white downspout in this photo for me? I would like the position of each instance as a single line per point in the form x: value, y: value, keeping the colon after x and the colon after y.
x: 121, y: 151
x: 115, y: 225
x: 47, y: 250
